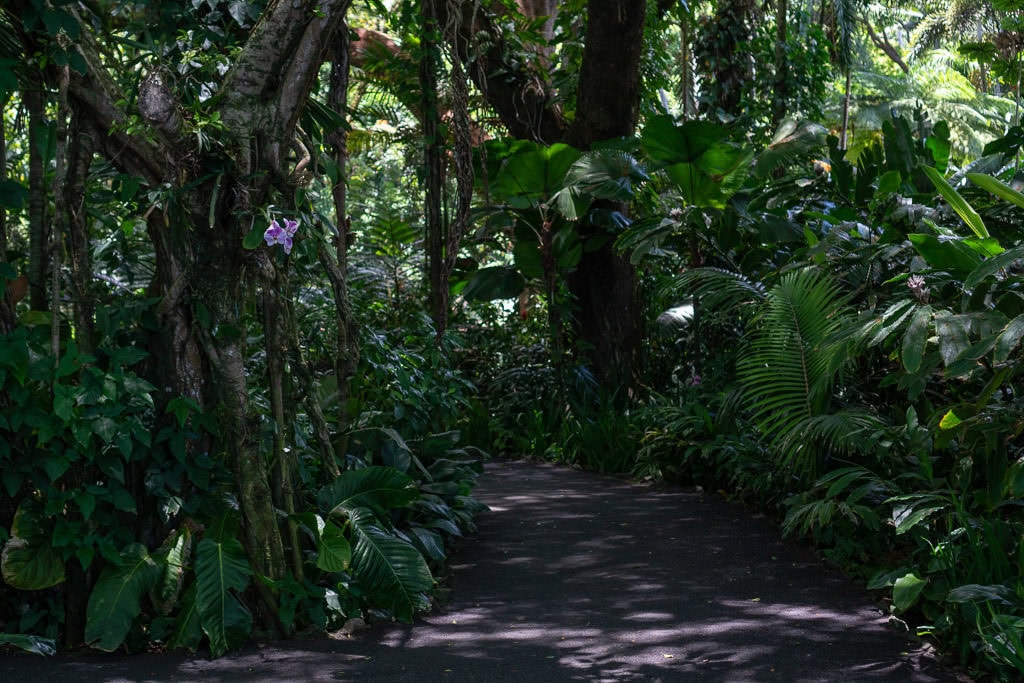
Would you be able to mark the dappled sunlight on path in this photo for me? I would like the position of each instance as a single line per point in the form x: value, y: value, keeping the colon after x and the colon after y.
x: 574, y: 577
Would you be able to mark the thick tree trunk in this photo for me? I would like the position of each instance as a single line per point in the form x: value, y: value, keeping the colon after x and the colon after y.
x: 608, y: 330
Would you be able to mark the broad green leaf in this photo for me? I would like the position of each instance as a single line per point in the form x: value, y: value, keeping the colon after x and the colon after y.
x: 377, y: 488
x: 173, y: 563
x: 959, y: 204
x: 430, y: 541
x: 334, y: 553
x: 37, y: 645
x: 187, y: 630
x: 950, y: 420
x: 493, y: 283
x: 221, y: 571
x: 916, y: 338
x: 665, y: 142
x: 992, y: 266
x: 890, y: 181
x: 906, y: 590
x: 909, y: 519
x: 254, y: 237
x: 1008, y: 339
x: 951, y: 255
x: 30, y: 567
x: 533, y: 172
x: 391, y: 570
x: 116, y: 599
x: 606, y: 174
x: 997, y: 187
x: 28, y: 561
x: 953, y: 333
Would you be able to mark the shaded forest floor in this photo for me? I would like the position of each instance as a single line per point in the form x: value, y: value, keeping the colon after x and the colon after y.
x: 575, y: 577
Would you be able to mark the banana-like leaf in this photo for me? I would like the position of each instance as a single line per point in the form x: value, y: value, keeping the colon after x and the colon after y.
x: 959, y: 204
x: 376, y: 488
x: 117, y: 598
x: 28, y: 561
x: 221, y: 571
x: 997, y: 187
x: 992, y: 266
x: 391, y: 570
x: 37, y: 645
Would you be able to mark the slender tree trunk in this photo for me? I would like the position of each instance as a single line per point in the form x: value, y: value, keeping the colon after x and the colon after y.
x: 780, y: 94
x: 844, y: 131
x: 433, y: 153
x: 39, y: 234
x: 79, y: 158
x: 346, y: 357
x: 687, y: 95
x: 6, y: 289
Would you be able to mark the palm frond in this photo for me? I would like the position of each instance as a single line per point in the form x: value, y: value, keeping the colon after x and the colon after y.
x: 721, y: 290
x: 788, y: 370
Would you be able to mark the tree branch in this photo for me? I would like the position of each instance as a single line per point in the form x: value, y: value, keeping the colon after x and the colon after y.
x: 883, y: 44
x: 517, y: 93
x: 279, y: 62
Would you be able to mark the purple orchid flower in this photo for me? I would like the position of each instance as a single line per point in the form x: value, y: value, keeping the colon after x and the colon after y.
x: 275, y: 234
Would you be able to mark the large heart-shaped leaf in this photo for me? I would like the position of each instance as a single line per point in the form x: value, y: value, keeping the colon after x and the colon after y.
x: 116, y: 599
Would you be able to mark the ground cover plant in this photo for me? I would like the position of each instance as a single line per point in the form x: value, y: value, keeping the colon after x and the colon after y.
x: 276, y: 278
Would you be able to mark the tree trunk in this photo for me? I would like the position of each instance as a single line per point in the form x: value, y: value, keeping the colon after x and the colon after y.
x: 6, y: 289
x: 39, y: 234
x: 607, y: 329
x: 724, y: 55
x: 780, y: 93
x: 347, y: 344
x: 433, y: 166
x: 80, y: 251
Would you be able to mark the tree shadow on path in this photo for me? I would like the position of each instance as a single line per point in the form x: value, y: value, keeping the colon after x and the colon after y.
x: 575, y: 577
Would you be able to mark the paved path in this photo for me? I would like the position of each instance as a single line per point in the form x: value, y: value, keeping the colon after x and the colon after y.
x: 575, y: 577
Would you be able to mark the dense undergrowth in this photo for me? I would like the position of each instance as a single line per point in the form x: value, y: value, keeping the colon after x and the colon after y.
x: 845, y: 354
